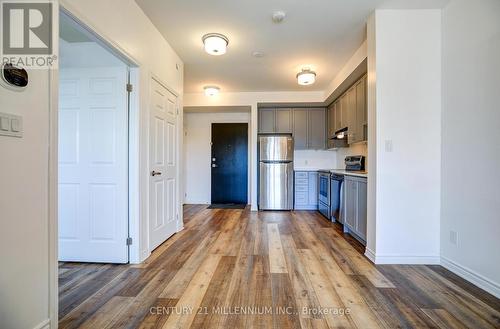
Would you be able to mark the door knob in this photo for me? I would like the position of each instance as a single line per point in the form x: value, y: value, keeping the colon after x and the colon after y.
x: 214, y: 165
x: 155, y: 173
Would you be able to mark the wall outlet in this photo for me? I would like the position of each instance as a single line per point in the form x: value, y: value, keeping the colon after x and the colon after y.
x: 454, y: 238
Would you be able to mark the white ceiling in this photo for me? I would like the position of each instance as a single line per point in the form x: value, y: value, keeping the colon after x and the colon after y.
x: 321, y: 34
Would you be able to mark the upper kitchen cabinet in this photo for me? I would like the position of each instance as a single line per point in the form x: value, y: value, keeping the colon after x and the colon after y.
x: 284, y: 121
x: 300, y: 128
x: 317, y: 129
x: 267, y: 121
x: 338, y: 114
x: 361, y: 122
x: 330, y: 130
x: 275, y: 120
x: 307, y: 125
x: 309, y: 128
x: 350, y: 111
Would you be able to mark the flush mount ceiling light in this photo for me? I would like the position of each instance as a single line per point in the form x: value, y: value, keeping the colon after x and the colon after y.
x: 306, y: 77
x: 211, y: 90
x: 215, y: 43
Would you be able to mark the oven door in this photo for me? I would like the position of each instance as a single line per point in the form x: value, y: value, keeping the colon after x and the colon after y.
x: 324, y: 189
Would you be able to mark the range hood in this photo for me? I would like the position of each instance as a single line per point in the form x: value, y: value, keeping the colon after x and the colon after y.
x: 338, y: 140
x: 340, y: 134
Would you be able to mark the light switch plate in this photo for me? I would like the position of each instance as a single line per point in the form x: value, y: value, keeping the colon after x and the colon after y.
x: 4, y: 123
x: 11, y: 125
x: 388, y: 145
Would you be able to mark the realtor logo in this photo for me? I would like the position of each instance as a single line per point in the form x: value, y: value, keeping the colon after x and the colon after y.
x: 27, y: 33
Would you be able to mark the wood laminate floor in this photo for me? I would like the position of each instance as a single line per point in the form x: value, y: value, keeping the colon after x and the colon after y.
x: 238, y: 269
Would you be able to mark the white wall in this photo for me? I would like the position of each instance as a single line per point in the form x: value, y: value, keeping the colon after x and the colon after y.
x: 132, y: 31
x: 314, y: 159
x: 197, y: 153
x: 25, y: 247
x: 355, y: 149
x: 24, y: 204
x: 85, y: 54
x: 408, y: 116
x: 471, y: 141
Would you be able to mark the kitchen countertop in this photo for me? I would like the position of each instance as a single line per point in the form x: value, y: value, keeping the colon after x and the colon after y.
x: 363, y: 174
x: 306, y: 169
x: 335, y: 171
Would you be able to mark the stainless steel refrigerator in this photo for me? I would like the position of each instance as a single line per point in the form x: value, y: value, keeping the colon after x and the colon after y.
x: 275, y: 172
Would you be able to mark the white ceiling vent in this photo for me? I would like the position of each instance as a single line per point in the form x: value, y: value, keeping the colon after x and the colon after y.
x: 278, y: 16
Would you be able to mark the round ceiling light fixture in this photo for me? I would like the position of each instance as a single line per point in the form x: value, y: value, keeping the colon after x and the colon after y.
x: 215, y: 43
x: 306, y: 77
x: 211, y: 90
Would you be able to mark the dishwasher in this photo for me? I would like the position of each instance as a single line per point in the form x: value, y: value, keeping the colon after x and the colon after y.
x: 337, y: 198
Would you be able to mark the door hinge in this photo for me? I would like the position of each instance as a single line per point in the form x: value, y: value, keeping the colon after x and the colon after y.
x: 129, y: 241
x: 130, y: 87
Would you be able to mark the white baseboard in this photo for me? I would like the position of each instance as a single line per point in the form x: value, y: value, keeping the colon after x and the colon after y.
x: 370, y: 254
x: 406, y: 259
x: 191, y: 201
x: 472, y: 276
x: 45, y: 324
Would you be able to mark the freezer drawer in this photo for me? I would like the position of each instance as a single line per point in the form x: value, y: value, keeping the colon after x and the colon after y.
x: 276, y: 186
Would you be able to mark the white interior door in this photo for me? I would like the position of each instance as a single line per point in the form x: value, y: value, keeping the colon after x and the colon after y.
x: 93, y: 165
x: 163, y: 165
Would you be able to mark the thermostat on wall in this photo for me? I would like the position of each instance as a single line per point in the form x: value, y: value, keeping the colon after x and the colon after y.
x: 14, y: 78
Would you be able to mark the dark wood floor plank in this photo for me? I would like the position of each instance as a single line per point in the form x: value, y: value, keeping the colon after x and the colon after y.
x: 95, y: 302
x: 87, y: 288
x: 477, y: 292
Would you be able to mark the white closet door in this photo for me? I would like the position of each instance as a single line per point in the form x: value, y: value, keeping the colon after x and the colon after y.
x: 93, y: 165
x: 163, y: 165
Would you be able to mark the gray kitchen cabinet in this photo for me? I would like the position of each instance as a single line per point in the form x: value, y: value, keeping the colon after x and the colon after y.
x: 338, y: 115
x: 309, y: 128
x: 299, y: 130
x: 344, y: 104
x: 306, y: 190
x: 330, y: 130
x: 355, y: 202
x: 317, y: 129
x: 313, y: 188
x: 350, y: 111
x: 361, y: 122
x: 283, y: 121
x: 362, y: 209
x: 275, y: 120
x: 351, y: 114
x: 267, y: 121
x: 350, y: 203
x: 330, y: 114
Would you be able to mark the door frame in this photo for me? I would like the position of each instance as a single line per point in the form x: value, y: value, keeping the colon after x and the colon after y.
x: 63, y: 7
x: 249, y: 169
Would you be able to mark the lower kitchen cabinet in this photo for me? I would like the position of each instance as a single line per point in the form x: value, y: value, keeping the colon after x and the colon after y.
x: 355, y: 206
x: 306, y: 190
